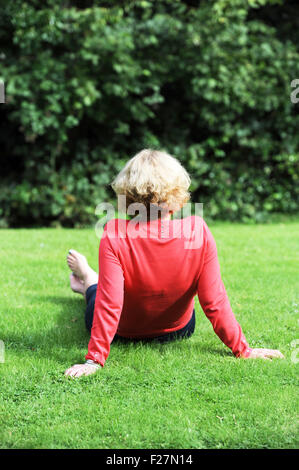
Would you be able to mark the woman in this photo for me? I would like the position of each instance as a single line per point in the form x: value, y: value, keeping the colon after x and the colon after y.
x: 149, y: 273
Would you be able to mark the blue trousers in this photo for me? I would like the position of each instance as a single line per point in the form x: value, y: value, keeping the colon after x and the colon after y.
x: 184, y: 332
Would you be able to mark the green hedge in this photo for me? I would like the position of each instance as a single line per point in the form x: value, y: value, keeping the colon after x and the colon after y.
x: 88, y: 84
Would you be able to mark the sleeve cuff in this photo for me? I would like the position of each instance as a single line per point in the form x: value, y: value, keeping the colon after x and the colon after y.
x: 245, y: 353
x: 96, y: 357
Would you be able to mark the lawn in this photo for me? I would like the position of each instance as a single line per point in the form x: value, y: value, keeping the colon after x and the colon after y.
x: 189, y: 394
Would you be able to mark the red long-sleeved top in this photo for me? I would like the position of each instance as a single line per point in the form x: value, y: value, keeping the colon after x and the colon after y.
x: 149, y: 274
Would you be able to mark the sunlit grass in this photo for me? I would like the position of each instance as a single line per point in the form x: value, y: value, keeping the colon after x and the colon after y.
x: 188, y: 394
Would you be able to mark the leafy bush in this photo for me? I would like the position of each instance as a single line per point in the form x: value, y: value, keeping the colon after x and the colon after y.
x: 88, y: 84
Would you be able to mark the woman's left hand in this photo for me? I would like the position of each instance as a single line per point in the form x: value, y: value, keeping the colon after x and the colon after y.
x: 81, y: 369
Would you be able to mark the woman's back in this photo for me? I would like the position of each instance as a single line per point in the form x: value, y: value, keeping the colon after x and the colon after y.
x: 161, y: 262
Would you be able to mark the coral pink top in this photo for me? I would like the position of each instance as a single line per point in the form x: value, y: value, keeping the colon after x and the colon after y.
x: 149, y: 274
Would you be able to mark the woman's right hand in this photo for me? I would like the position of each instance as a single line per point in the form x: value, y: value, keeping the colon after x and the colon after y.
x: 261, y: 353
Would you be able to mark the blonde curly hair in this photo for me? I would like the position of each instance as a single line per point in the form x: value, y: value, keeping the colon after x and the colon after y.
x: 153, y: 177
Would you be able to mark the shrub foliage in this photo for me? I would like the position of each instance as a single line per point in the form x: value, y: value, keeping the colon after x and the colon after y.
x: 90, y: 83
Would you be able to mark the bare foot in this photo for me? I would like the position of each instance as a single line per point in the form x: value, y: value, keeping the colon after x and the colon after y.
x: 77, y: 285
x: 81, y: 271
x: 77, y: 263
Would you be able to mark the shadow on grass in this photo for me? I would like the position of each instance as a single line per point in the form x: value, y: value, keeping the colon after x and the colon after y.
x: 204, y: 348
x: 68, y: 332
x: 62, y: 340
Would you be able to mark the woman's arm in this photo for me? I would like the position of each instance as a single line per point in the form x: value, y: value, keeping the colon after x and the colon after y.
x: 216, y: 306
x: 107, y: 311
x: 108, y: 303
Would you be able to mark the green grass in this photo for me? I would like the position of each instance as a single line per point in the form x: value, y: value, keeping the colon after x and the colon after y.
x: 189, y: 394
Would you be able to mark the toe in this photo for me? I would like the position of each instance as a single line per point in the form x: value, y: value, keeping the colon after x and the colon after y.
x: 74, y: 253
